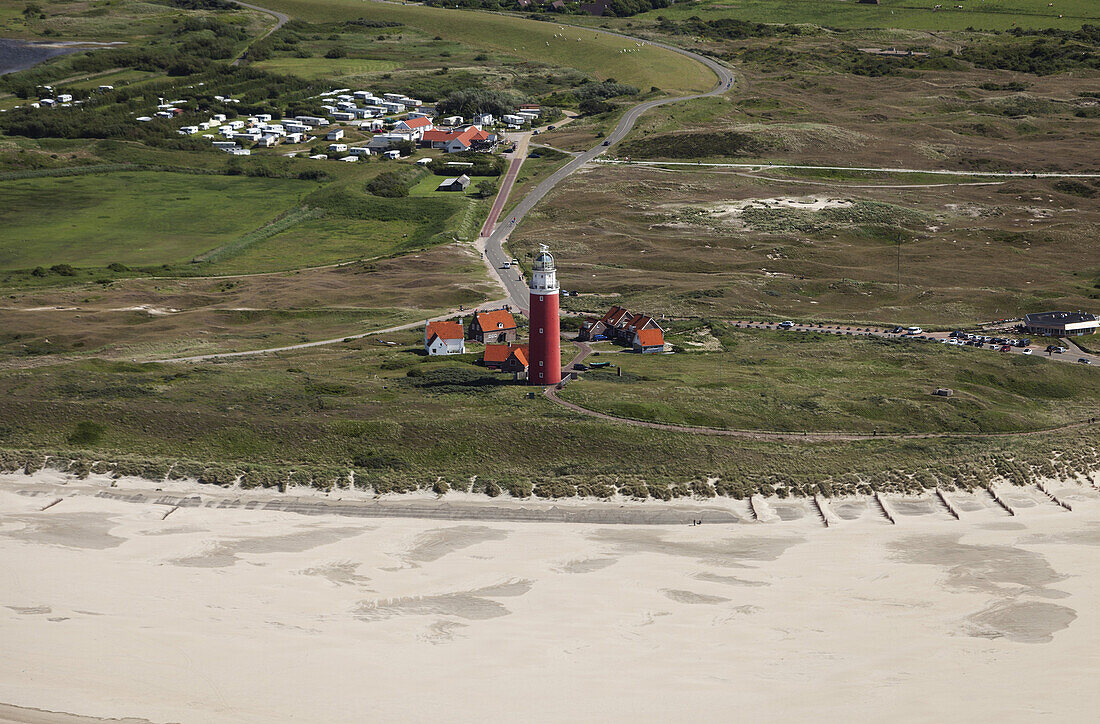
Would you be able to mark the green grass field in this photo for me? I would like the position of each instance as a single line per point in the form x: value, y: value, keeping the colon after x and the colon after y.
x: 816, y: 382
x: 900, y: 14
x: 400, y: 418
x: 317, y: 68
x: 134, y: 218
x: 595, y: 54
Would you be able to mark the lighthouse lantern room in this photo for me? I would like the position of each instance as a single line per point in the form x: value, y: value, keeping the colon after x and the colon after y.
x: 545, y: 361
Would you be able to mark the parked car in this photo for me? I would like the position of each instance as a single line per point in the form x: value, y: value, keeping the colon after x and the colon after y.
x: 914, y: 330
x: 1060, y: 350
x: 786, y: 325
x: 580, y: 366
x: 1006, y: 348
x: 1027, y: 350
x: 1023, y: 343
x: 1084, y: 360
x: 897, y: 330
x: 550, y: 128
x: 607, y: 142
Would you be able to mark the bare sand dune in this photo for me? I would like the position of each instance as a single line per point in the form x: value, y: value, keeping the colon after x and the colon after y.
x: 109, y: 609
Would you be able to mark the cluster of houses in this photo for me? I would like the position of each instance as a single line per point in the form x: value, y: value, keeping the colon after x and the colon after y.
x: 495, y: 328
x: 57, y: 100
x: 392, y: 120
x: 639, y: 331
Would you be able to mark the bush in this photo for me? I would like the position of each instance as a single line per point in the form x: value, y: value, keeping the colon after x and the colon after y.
x: 389, y: 184
x: 518, y: 489
x: 87, y: 433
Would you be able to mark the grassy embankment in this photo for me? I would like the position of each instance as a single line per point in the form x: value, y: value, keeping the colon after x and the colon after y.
x: 592, y: 53
x: 403, y: 420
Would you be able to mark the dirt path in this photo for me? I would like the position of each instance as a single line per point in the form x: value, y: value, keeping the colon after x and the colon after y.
x: 518, y: 157
x: 936, y: 172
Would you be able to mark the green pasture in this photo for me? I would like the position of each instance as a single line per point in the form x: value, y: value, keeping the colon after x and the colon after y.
x: 317, y: 68
x: 596, y: 54
x: 134, y: 218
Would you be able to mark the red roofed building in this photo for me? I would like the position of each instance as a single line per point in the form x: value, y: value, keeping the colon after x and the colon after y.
x: 444, y: 338
x: 506, y: 357
x: 416, y: 127
x: 649, y: 341
x: 463, y: 139
x: 496, y: 325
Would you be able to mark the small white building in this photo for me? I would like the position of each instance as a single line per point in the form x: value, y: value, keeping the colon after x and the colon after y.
x: 335, y: 134
x: 359, y: 151
x: 442, y: 338
x: 393, y: 155
x: 513, y: 120
x: 452, y: 121
x: 349, y: 159
x: 338, y: 147
x: 482, y: 119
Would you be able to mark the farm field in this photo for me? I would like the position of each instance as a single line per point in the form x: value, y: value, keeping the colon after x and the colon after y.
x: 597, y: 55
x: 904, y: 14
x: 816, y: 382
x: 133, y: 218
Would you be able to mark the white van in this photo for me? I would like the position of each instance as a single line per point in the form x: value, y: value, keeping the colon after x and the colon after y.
x: 914, y: 330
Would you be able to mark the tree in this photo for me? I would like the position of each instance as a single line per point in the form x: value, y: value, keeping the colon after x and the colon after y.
x: 485, y: 189
x: 337, y: 51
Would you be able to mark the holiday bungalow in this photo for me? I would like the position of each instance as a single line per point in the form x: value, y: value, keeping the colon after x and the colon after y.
x: 415, y: 127
x: 649, y: 341
x: 442, y: 338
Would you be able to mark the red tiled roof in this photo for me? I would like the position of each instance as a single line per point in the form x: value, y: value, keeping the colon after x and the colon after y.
x: 418, y: 122
x: 444, y: 330
x: 499, y: 353
x: 496, y: 319
x: 650, y: 337
x: 615, y: 316
x: 437, y: 136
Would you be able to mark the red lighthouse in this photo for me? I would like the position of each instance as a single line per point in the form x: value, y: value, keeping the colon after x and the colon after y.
x: 545, y: 362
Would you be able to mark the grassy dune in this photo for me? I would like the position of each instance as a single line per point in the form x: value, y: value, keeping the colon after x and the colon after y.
x: 595, y: 54
x: 796, y: 382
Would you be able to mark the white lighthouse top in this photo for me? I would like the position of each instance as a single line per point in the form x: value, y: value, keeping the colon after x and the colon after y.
x: 544, y: 278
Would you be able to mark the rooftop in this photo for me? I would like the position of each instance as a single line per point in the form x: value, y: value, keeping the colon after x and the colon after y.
x: 1059, y: 318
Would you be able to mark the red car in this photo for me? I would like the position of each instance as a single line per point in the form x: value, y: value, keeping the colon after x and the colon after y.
x: 1006, y: 348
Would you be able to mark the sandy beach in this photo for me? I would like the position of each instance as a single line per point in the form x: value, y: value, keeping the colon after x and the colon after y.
x: 123, y: 607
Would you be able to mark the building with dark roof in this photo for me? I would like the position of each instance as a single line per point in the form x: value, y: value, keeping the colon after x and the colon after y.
x: 1060, y: 324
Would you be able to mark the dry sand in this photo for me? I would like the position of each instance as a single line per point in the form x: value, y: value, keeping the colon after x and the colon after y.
x: 109, y: 609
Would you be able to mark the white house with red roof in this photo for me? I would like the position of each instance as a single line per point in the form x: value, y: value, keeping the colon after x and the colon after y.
x: 445, y: 337
x: 415, y: 127
x: 458, y: 140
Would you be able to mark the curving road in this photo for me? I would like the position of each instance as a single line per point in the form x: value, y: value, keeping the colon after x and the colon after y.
x: 512, y: 282
x: 281, y: 19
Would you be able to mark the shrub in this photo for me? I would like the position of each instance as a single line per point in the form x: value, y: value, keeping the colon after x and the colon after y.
x: 87, y: 433
x: 389, y: 184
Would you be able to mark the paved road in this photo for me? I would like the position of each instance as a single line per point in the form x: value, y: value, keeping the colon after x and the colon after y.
x: 518, y: 157
x: 511, y: 281
x: 937, y: 172
x: 281, y: 19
